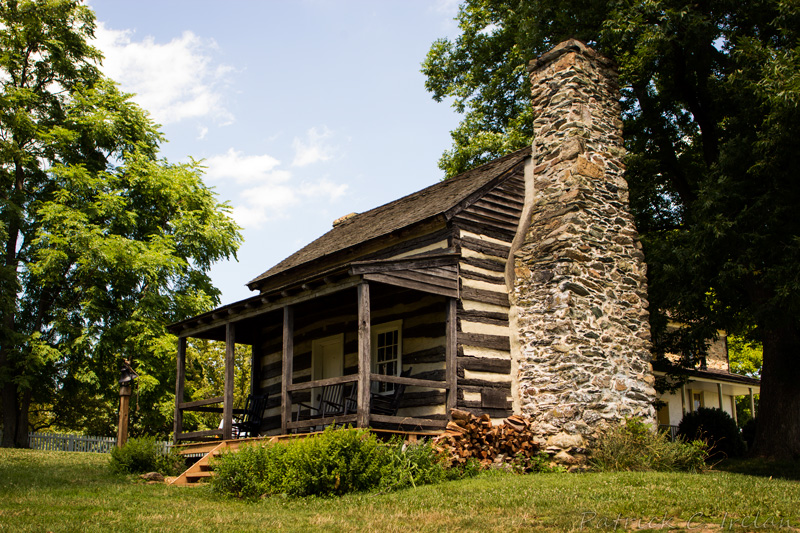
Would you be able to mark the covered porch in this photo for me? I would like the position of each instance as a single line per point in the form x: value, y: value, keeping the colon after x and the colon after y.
x: 705, y: 388
x: 366, y: 330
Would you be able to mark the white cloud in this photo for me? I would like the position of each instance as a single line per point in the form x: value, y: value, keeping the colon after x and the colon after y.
x: 263, y: 203
x: 174, y: 81
x: 241, y: 168
x: 314, y: 148
x: 325, y: 188
x: 269, y: 191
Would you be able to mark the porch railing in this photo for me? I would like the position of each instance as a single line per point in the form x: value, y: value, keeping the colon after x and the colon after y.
x: 205, y: 407
x: 352, y: 418
x: 671, y: 431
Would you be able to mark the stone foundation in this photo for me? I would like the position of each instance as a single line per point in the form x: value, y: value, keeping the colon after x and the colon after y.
x: 582, y: 337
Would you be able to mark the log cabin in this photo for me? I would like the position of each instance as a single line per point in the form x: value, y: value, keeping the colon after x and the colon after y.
x: 518, y: 287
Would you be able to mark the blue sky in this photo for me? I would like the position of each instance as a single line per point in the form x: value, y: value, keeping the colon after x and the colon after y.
x: 303, y: 111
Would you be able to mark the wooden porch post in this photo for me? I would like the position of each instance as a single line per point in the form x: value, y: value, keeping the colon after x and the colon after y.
x: 180, y: 377
x: 227, y: 401
x: 288, y: 366
x: 719, y: 395
x: 733, y: 409
x: 255, y: 369
x: 364, y: 355
x: 752, y: 402
x: 451, y: 352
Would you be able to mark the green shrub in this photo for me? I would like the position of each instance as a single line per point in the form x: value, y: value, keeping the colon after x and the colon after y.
x: 471, y: 468
x: 411, y: 465
x: 717, y: 428
x: 634, y: 446
x: 143, y: 454
x: 249, y: 472
x: 537, y: 464
x: 335, y: 462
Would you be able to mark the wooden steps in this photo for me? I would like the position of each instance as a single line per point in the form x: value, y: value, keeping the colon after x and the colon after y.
x: 202, y: 468
x: 196, y: 476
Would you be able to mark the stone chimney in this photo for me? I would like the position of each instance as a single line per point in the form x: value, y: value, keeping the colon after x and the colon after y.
x: 579, y: 320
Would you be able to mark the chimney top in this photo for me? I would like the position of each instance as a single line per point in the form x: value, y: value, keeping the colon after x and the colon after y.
x: 565, y: 47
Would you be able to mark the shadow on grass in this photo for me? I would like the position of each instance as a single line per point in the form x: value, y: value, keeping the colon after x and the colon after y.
x: 757, y: 466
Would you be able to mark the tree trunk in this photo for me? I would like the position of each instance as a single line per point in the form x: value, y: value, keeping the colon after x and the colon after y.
x: 778, y: 420
x: 15, y: 414
x: 9, y: 415
x: 15, y: 419
x: 22, y: 440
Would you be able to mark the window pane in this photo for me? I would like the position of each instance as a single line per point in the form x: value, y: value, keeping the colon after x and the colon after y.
x: 387, y: 352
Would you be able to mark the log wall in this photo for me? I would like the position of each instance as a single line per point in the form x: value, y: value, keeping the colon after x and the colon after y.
x: 484, y: 232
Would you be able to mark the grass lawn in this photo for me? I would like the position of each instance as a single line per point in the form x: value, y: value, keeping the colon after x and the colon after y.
x: 61, y: 491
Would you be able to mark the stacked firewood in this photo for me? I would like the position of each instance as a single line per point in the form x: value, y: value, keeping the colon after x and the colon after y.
x: 468, y: 436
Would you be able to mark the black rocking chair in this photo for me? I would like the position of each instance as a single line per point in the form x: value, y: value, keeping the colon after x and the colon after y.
x: 331, y: 403
x: 248, y: 424
x: 388, y: 404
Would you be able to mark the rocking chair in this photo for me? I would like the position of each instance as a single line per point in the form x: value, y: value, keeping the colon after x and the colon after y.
x: 249, y: 423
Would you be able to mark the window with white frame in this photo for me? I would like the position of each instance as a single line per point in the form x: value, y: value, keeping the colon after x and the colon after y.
x: 387, y: 342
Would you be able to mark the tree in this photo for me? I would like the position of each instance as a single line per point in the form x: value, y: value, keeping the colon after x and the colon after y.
x: 711, y: 121
x: 104, y: 243
x: 745, y: 359
x: 205, y: 378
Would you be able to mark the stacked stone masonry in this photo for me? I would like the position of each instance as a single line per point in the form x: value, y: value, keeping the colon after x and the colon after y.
x: 579, y: 320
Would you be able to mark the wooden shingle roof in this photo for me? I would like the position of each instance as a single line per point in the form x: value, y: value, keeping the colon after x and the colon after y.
x: 439, y: 199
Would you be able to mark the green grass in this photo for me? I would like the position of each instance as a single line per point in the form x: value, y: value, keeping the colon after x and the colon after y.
x: 759, y: 467
x: 59, y: 491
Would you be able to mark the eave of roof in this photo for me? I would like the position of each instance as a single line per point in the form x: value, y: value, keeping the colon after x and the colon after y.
x: 719, y: 375
x: 342, y: 276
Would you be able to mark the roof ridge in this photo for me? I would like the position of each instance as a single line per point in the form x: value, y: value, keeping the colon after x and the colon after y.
x: 464, y: 175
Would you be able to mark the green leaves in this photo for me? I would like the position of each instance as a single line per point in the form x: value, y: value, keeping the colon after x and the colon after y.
x: 710, y: 97
x: 711, y: 110
x: 483, y: 71
x: 105, y: 243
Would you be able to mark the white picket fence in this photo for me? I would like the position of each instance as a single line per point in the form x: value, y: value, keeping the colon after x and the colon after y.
x: 71, y: 443
x: 76, y: 443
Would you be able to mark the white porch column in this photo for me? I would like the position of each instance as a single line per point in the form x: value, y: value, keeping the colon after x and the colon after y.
x: 683, y: 399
